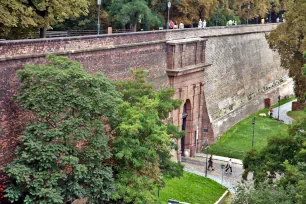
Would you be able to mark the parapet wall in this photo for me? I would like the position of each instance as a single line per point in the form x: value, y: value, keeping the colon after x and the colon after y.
x: 244, y: 70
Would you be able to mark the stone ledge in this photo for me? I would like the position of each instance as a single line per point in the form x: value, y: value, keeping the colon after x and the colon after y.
x: 221, y: 199
x: 37, y: 55
x: 185, y: 41
x: 58, y: 39
x: 187, y: 70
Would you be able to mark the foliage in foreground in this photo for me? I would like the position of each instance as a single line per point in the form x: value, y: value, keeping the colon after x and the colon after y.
x: 64, y: 153
x: 143, y: 141
x: 88, y: 140
x: 263, y: 193
x: 289, y: 39
x: 285, y: 157
x: 192, y: 188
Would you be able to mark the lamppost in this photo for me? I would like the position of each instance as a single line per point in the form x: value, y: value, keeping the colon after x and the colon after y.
x: 253, y: 123
x: 217, y: 15
x: 222, y: 168
x: 169, y: 6
x: 270, y: 20
x: 279, y: 98
x: 249, y: 6
x: 206, y: 148
x: 99, y: 5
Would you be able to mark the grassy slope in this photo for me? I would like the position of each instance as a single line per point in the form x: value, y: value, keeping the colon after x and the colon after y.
x: 238, y: 139
x: 193, y: 189
x: 296, y: 114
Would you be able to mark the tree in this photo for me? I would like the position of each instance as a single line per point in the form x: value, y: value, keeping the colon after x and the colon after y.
x: 87, y: 22
x: 282, y: 156
x: 133, y: 12
x: 64, y: 153
x: 263, y: 193
x: 190, y: 11
x: 224, y: 15
x: 289, y: 39
x: 25, y: 14
x: 258, y: 8
x: 143, y: 141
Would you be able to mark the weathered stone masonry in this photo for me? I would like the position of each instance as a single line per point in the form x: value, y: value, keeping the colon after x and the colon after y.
x: 243, y: 72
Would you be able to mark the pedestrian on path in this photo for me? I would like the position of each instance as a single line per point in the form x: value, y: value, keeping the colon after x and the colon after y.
x: 271, y: 112
x: 229, y: 166
x: 210, y: 163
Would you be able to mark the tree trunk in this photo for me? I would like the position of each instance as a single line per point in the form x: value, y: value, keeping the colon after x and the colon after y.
x: 42, y: 32
x: 134, y: 27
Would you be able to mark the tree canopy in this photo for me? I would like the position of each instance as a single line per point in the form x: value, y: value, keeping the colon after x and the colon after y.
x: 289, y: 39
x: 91, y: 138
x: 284, y: 157
x: 144, y: 141
x: 134, y: 12
x: 21, y: 15
x: 64, y: 153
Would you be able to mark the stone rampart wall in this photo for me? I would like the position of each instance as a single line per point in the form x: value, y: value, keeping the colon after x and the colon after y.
x: 243, y: 69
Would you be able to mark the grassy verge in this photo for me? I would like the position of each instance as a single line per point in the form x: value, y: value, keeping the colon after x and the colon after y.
x: 193, y: 189
x: 283, y: 101
x: 238, y: 140
x: 296, y: 115
x: 228, y: 199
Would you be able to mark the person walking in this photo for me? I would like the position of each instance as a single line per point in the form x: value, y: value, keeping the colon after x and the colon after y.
x: 200, y: 24
x: 262, y: 21
x: 204, y: 23
x: 229, y: 166
x: 271, y: 112
x: 181, y: 26
x: 230, y: 22
x: 171, y: 24
x: 210, y: 163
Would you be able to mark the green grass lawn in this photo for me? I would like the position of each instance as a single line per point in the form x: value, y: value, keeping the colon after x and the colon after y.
x: 296, y: 115
x: 238, y: 140
x: 283, y: 101
x: 193, y: 189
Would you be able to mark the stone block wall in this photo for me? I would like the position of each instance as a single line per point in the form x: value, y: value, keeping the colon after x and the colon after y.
x: 243, y: 70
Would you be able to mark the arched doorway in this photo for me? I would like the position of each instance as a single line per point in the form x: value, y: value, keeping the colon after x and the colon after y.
x: 186, y: 119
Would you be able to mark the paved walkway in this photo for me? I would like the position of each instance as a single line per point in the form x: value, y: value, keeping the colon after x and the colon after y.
x: 196, y: 165
x: 283, y: 112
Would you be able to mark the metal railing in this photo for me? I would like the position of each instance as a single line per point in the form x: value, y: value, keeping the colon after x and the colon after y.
x: 69, y: 33
x: 94, y: 32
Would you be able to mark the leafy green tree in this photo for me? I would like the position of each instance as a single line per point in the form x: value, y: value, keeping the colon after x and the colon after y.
x: 269, y: 160
x: 258, y: 8
x: 133, y: 12
x: 289, y: 39
x: 25, y: 14
x: 87, y: 22
x: 305, y: 75
x: 223, y: 16
x: 143, y: 141
x: 64, y: 153
x: 263, y: 193
x: 282, y: 156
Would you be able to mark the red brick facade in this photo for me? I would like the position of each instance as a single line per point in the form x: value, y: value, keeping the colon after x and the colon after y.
x: 186, y: 64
